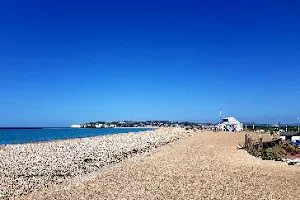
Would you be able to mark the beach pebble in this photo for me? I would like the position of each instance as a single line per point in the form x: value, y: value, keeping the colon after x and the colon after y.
x: 28, y: 167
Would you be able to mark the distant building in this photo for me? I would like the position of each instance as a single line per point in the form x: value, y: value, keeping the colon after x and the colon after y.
x: 99, y: 125
x: 76, y: 126
x: 291, y: 136
x: 112, y: 126
x: 230, y: 124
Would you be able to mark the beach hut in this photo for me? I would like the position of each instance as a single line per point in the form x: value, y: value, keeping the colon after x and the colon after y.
x: 230, y: 124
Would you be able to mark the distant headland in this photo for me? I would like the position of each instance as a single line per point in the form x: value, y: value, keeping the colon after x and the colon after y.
x: 133, y: 124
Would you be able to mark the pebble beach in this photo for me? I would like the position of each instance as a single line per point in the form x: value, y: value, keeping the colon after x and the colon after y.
x: 25, y: 168
x: 161, y: 164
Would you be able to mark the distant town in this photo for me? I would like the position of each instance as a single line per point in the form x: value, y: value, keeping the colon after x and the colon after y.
x: 223, y: 125
x: 142, y: 124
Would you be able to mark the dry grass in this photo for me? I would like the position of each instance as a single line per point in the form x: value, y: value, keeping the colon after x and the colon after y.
x: 203, y: 166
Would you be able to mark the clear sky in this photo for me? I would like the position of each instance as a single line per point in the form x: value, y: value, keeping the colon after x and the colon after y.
x: 65, y: 62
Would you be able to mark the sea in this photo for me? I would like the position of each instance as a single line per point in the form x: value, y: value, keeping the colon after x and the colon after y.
x: 28, y: 135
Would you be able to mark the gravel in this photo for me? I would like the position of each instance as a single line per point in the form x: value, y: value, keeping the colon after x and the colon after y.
x: 25, y: 168
x: 205, y: 165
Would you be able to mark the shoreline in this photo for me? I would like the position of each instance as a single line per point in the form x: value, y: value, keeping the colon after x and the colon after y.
x: 138, y: 127
x: 59, y: 139
x: 32, y: 166
x: 152, y: 127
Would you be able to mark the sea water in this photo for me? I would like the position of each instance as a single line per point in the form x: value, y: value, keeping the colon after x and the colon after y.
x: 20, y: 136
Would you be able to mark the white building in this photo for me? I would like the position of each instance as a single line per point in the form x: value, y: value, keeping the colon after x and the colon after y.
x: 99, y: 125
x: 112, y: 126
x: 230, y: 124
x: 76, y: 126
x: 291, y: 136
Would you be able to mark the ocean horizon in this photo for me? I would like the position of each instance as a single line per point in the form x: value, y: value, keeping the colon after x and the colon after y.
x: 22, y: 135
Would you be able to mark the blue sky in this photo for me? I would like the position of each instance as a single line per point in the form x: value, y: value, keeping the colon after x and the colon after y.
x: 78, y: 61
